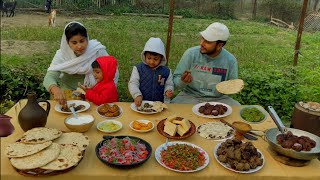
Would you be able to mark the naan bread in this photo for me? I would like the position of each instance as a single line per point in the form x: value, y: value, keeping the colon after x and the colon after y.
x: 230, y: 87
x: 313, y: 106
x: 74, y: 138
x: 158, y: 106
x: 215, y: 130
x: 37, y: 160
x: 69, y: 156
x: 40, y: 135
x: 19, y: 149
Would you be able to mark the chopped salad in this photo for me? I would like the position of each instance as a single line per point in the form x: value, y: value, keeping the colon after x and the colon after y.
x: 124, y: 151
x: 183, y: 157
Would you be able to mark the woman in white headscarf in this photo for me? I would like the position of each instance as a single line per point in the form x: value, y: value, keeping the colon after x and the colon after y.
x: 72, y: 62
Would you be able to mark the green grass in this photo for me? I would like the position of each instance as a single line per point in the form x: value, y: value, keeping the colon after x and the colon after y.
x: 257, y: 46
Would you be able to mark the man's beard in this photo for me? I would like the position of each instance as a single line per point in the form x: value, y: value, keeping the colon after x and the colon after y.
x: 209, y: 53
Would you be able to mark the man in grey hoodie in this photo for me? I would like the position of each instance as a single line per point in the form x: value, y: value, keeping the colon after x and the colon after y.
x: 151, y: 79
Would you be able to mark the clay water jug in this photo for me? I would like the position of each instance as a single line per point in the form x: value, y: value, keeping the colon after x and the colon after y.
x: 32, y: 114
x: 6, y: 128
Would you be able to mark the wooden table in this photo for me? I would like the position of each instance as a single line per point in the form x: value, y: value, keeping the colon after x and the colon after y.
x: 92, y: 168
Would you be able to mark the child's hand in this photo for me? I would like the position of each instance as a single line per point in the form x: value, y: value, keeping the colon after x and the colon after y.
x: 138, y: 101
x: 83, y: 87
x: 169, y: 93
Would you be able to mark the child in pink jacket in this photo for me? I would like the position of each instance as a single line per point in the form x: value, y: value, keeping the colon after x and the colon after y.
x: 105, y: 91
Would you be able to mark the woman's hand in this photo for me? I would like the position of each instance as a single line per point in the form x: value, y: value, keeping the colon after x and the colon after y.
x: 58, y: 95
x: 186, y: 77
x: 138, y: 101
x: 169, y: 93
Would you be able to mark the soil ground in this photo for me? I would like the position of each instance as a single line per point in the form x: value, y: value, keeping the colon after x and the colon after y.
x: 31, y: 18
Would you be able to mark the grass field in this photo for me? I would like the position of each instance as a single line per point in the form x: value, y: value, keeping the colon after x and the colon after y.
x: 258, y: 47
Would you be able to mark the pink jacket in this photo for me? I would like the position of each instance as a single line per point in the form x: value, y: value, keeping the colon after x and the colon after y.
x: 105, y: 91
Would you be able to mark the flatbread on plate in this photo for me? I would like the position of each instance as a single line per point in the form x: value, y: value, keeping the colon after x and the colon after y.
x: 69, y: 156
x: 40, y: 135
x: 158, y: 106
x: 74, y: 138
x: 230, y: 87
x: 19, y: 149
x: 37, y: 160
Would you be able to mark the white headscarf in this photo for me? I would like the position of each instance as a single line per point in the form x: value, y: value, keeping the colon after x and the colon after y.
x: 67, y: 62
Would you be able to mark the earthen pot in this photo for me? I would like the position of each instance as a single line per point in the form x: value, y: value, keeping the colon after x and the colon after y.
x: 32, y: 114
x: 6, y: 128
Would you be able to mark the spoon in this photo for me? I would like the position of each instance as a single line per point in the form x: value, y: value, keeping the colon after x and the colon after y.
x: 277, y: 120
x: 73, y: 111
x: 166, y: 144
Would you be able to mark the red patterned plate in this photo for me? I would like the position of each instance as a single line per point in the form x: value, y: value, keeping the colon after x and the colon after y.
x: 160, y: 128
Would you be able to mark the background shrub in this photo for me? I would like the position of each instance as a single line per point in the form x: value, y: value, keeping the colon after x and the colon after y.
x: 271, y: 88
x: 16, y: 82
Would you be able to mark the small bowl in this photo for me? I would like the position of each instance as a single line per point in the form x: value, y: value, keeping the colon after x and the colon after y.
x: 106, y: 126
x: 241, y: 126
x: 81, y: 124
x: 141, y: 121
x: 259, y: 108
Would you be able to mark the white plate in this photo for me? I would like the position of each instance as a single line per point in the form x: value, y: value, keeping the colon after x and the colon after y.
x: 216, y: 129
x: 109, y: 121
x: 228, y: 167
x: 134, y: 108
x: 196, y: 107
x: 161, y: 147
x: 120, y: 109
x: 57, y: 107
x: 141, y: 121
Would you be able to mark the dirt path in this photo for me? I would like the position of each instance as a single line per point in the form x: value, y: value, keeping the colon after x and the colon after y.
x: 31, y: 18
x: 22, y: 19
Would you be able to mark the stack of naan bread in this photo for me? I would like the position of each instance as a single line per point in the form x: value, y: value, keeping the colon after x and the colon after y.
x: 47, y: 150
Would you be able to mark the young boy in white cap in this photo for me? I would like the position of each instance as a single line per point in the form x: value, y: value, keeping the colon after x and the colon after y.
x: 202, y: 67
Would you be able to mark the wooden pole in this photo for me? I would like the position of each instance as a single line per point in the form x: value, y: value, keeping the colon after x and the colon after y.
x: 172, y: 3
x: 298, y: 41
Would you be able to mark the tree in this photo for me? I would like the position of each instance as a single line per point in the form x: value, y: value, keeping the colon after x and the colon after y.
x: 254, y: 11
x: 316, y: 2
x: 241, y: 5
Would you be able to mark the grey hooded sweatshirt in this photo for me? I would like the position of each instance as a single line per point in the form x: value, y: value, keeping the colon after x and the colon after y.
x: 152, y: 45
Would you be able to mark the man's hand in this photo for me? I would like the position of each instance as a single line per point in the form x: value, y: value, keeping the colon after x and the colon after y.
x: 58, y: 95
x: 186, y: 77
x: 138, y: 101
x: 169, y: 93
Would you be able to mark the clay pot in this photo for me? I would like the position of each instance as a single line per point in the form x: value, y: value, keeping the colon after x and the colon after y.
x: 306, y: 120
x: 6, y: 128
x: 32, y: 114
